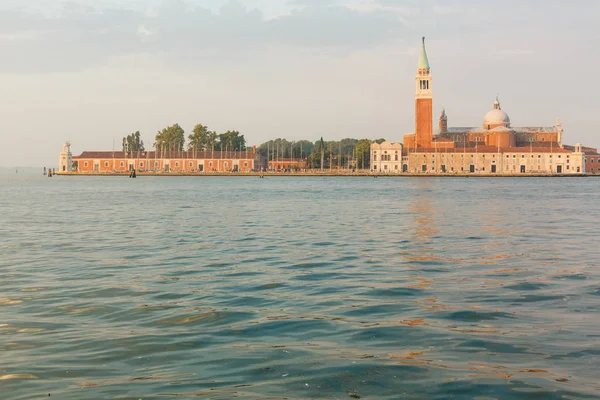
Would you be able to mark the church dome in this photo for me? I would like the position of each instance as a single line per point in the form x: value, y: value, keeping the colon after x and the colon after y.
x: 496, y: 117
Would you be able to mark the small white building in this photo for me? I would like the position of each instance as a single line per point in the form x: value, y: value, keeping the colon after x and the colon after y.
x: 386, y: 158
x: 65, y: 162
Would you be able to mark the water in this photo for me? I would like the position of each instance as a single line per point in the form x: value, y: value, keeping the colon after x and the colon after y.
x: 297, y: 288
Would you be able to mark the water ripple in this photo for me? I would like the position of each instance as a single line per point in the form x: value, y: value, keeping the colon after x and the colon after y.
x: 299, y: 288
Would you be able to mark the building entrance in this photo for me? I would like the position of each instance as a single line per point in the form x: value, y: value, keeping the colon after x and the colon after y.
x: 493, y: 169
x: 472, y: 168
x: 522, y: 169
x: 559, y: 169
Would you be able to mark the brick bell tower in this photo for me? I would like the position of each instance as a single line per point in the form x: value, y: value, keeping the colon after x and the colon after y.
x: 423, y: 103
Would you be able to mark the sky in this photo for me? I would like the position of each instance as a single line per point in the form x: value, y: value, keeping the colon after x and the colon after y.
x: 93, y: 71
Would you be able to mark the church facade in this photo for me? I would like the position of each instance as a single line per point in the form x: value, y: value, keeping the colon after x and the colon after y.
x: 494, y: 147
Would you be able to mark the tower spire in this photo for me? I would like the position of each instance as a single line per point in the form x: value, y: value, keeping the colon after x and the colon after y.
x: 423, y: 60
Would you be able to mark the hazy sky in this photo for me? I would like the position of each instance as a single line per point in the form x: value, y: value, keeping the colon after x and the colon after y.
x: 92, y: 71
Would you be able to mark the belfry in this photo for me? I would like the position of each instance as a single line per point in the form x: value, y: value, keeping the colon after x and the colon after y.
x: 423, y: 134
x: 423, y: 102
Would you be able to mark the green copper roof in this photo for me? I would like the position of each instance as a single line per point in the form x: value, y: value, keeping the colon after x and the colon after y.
x: 423, y: 61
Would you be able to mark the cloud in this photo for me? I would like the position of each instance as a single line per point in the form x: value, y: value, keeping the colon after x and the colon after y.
x: 81, y: 36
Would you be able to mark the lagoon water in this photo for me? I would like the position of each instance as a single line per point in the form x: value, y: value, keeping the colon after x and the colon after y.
x: 299, y: 288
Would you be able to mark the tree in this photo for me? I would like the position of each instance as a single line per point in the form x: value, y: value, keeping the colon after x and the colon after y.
x: 231, y: 141
x: 133, y: 142
x: 322, y: 148
x: 171, y: 138
x: 199, y: 138
x: 211, y: 140
x: 363, y: 153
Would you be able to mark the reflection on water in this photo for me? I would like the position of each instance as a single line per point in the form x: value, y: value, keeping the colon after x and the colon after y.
x: 226, y: 288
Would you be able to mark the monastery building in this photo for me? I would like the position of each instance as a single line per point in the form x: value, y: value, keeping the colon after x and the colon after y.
x: 494, y: 147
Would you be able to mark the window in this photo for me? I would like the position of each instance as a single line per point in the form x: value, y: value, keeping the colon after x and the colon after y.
x: 191, y: 164
x: 539, y: 156
x: 142, y: 164
x: 156, y: 163
x: 245, y: 165
x: 106, y: 163
x: 210, y: 164
x: 85, y: 164
x: 374, y: 158
x: 396, y: 157
x: 225, y: 164
x: 559, y: 156
x: 177, y: 163
x: 522, y: 155
x: 592, y: 160
x: 395, y: 167
x: 122, y: 163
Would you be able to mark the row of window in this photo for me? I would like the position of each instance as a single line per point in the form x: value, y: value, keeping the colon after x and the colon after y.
x: 386, y: 157
x: 156, y: 164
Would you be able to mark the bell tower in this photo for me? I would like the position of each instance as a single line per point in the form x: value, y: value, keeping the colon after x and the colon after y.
x: 443, y: 122
x: 423, y: 102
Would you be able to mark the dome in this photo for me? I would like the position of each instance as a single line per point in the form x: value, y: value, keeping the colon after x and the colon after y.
x: 496, y: 117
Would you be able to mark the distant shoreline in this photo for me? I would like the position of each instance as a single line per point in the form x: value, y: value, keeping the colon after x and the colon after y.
x: 328, y: 174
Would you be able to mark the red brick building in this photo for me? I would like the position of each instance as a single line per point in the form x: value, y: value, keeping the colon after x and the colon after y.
x: 287, y: 164
x: 165, y: 161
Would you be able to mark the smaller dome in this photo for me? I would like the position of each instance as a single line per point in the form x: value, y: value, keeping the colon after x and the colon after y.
x: 496, y: 117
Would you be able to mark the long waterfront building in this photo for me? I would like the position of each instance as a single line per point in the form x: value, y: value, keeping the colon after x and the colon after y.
x: 159, y: 161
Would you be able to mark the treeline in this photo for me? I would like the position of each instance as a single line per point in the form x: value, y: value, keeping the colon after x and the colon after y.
x: 321, y: 154
x: 201, y: 139
x: 344, y: 153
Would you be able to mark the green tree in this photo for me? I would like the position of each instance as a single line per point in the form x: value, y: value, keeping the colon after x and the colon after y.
x: 231, y: 141
x: 133, y: 142
x: 199, y: 138
x: 211, y: 140
x: 363, y: 153
x: 171, y: 138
